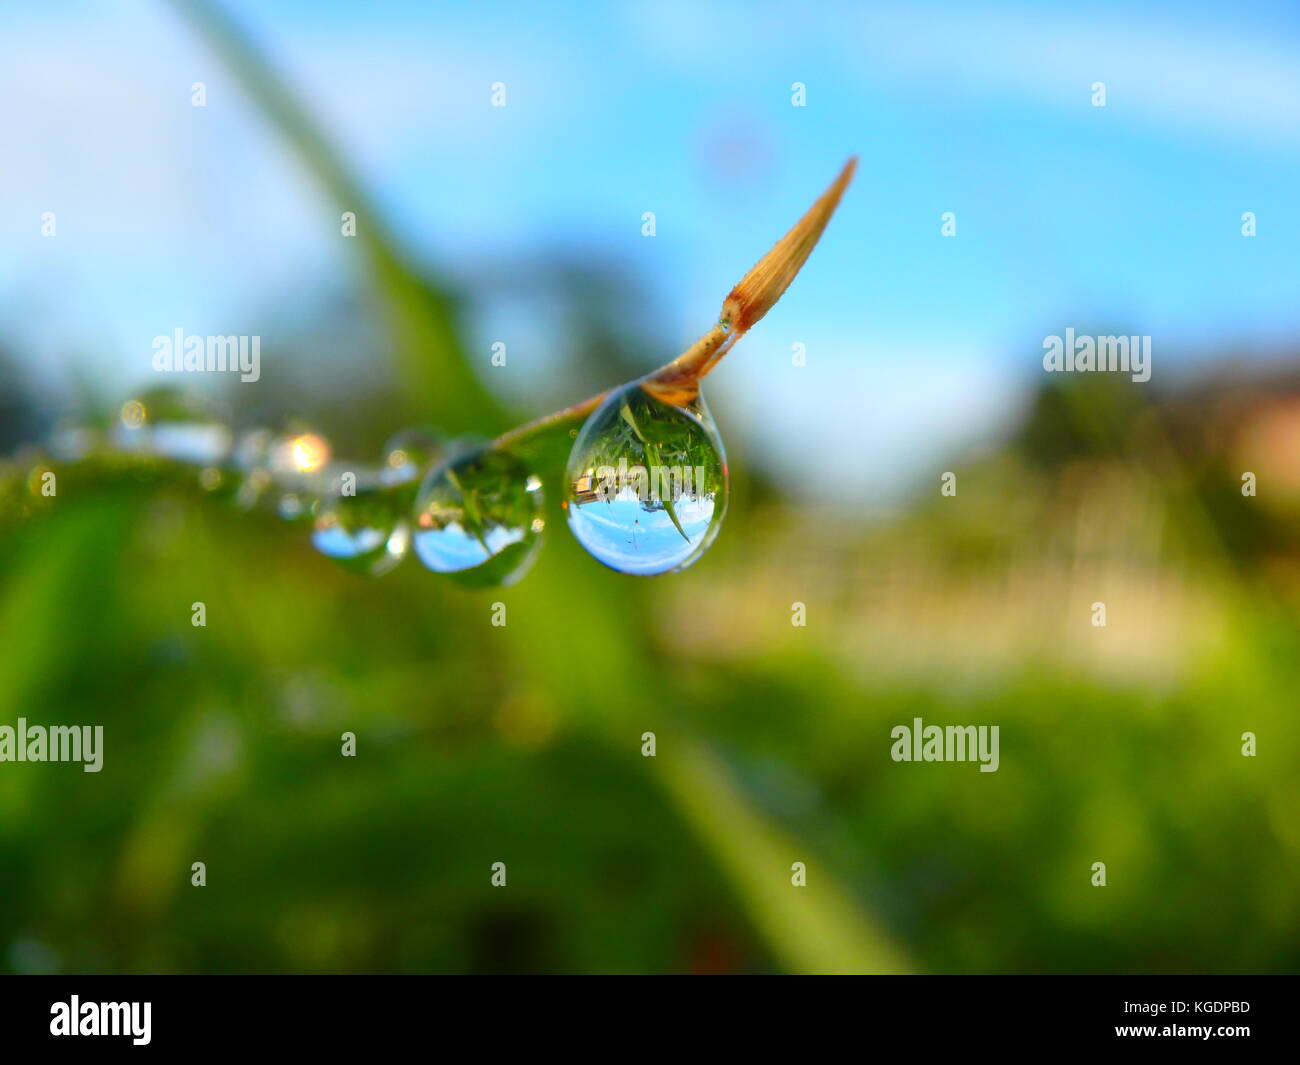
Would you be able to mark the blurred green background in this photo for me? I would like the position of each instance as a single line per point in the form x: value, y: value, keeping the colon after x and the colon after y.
x: 522, y: 744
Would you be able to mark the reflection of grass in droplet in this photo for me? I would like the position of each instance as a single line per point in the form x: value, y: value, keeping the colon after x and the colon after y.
x: 656, y: 461
x: 362, y: 532
x: 482, y: 518
x: 472, y: 514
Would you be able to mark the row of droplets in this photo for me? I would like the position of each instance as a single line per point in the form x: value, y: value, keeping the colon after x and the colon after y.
x: 644, y: 490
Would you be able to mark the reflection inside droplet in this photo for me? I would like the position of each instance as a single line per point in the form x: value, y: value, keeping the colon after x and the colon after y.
x: 410, y: 454
x: 303, y: 453
x: 175, y: 425
x: 291, y: 506
x: 647, y: 483
x: 362, y: 527
x: 285, y: 467
x: 478, y: 517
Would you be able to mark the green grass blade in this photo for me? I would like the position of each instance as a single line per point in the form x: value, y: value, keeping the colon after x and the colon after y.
x: 437, y: 380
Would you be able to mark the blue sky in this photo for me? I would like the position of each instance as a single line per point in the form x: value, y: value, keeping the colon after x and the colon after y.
x: 1123, y: 217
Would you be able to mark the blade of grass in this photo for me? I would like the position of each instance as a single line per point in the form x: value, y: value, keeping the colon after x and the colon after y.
x: 437, y: 380
x: 818, y: 928
x: 757, y: 293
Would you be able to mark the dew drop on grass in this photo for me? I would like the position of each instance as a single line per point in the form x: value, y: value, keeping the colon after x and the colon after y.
x: 365, y: 531
x: 478, y: 518
x: 293, y: 506
x: 248, y: 472
x: 646, y: 483
x: 174, y: 425
x: 297, y: 454
x: 410, y: 454
x: 284, y: 466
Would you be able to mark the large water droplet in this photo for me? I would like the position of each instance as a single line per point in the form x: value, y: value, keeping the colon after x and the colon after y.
x: 361, y: 525
x: 646, y: 482
x: 478, y: 517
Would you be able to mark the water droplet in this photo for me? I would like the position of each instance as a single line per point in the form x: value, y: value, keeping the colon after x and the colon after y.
x: 252, y: 485
x: 410, y: 454
x: 292, y: 506
x: 365, y: 531
x: 72, y: 442
x: 248, y: 478
x: 251, y: 450
x: 175, y: 425
x: 36, y: 482
x: 133, y: 414
x: 301, y: 453
x: 478, y: 517
x: 287, y: 463
x: 646, y: 483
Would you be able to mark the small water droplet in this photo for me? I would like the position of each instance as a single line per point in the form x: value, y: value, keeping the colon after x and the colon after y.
x: 291, y: 506
x: 133, y: 414
x: 304, y: 452
x: 249, y: 477
x: 251, y: 487
x: 174, y: 425
x: 410, y: 454
x: 646, y: 483
x: 365, y: 532
x: 288, y: 463
x: 251, y: 450
x: 72, y: 442
x: 36, y: 475
x: 478, y: 517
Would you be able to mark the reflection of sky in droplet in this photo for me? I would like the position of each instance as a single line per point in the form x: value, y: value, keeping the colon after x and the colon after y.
x: 203, y: 445
x: 363, y: 547
x: 291, y: 506
x: 451, y: 548
x: 337, y: 542
x: 625, y: 536
x: 408, y: 455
